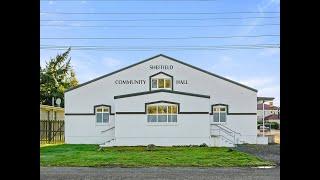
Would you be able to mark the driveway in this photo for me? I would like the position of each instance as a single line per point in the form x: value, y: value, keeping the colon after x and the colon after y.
x: 267, y: 152
x: 83, y: 173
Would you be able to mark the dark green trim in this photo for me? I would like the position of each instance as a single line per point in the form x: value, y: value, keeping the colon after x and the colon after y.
x: 130, y: 113
x: 150, y: 77
x: 228, y: 113
x: 80, y: 114
x: 242, y: 114
x: 156, y: 102
x: 83, y: 114
x: 247, y: 87
x: 94, y: 111
x: 160, y: 90
x: 194, y: 113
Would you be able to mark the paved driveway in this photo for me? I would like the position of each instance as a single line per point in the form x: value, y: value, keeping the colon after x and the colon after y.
x: 159, y: 173
x: 267, y: 152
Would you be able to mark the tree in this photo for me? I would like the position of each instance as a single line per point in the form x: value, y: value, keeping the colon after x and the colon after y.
x: 56, y: 77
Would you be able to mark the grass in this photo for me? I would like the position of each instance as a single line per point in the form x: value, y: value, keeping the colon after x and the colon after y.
x: 89, y: 156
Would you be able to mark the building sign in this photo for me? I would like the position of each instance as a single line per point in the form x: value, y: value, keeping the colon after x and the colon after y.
x: 161, y: 67
x: 141, y: 81
x: 181, y: 81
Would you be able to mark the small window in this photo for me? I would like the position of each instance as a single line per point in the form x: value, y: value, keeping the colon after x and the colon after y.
x: 102, y: 114
x: 163, y: 113
x: 154, y: 83
x: 161, y: 83
x: 167, y: 83
x: 219, y: 114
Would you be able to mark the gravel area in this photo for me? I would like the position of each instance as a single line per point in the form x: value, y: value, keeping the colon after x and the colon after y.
x: 83, y: 173
x: 267, y: 152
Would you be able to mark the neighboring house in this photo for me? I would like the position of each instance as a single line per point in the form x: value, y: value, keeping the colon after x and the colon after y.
x: 51, y: 113
x: 269, y: 108
x: 273, y: 118
x: 161, y: 101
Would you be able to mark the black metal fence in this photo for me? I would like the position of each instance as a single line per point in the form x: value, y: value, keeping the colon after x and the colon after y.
x: 51, y: 131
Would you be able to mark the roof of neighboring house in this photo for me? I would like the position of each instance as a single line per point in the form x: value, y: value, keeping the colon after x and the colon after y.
x: 265, y: 98
x: 47, y: 107
x: 272, y: 117
x: 267, y: 107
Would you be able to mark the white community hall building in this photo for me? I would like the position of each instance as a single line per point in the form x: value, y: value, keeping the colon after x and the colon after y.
x: 161, y: 101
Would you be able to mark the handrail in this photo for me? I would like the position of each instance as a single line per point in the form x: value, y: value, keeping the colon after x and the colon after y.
x: 228, y: 128
x: 228, y: 139
x: 231, y: 135
x: 107, y: 129
x: 221, y: 128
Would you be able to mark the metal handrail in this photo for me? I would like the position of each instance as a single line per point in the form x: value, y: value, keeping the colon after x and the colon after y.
x: 232, y: 136
x: 228, y: 128
x: 107, y: 129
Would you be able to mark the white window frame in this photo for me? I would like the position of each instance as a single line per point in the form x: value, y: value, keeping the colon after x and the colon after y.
x: 157, y: 79
x: 157, y: 114
x: 102, y: 115
x: 219, y: 112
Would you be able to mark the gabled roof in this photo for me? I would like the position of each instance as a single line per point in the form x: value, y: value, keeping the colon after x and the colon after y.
x: 143, y: 61
x: 267, y: 107
x: 265, y: 98
x: 272, y: 117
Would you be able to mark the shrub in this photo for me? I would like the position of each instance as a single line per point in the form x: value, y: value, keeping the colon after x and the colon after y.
x: 203, y: 145
x: 274, y: 125
x: 151, y: 147
x: 230, y: 150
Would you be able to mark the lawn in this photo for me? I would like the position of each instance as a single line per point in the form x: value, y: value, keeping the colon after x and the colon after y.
x: 89, y: 156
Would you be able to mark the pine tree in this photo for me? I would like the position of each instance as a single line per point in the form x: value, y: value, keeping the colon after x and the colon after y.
x: 56, y: 77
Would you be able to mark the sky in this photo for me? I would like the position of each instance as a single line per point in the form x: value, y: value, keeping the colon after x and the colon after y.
x: 257, y: 68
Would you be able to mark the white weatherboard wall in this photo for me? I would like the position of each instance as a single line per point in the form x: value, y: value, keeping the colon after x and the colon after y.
x: 133, y: 129
x: 82, y: 128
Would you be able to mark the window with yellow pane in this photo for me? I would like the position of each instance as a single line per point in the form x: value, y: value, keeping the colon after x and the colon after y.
x: 161, y: 83
x: 162, y: 113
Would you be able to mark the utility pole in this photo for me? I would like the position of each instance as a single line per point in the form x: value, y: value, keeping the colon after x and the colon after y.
x: 263, y: 118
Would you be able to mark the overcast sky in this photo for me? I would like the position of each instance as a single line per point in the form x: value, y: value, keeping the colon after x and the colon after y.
x: 257, y: 68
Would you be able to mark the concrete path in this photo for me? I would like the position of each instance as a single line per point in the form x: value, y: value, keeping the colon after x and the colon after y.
x: 52, y: 173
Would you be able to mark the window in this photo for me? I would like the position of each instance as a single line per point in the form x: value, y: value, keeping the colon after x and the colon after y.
x: 219, y: 114
x: 163, y: 113
x: 102, y: 115
x: 161, y: 83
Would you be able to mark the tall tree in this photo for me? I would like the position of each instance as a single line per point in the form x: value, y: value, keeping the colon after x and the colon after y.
x: 56, y: 77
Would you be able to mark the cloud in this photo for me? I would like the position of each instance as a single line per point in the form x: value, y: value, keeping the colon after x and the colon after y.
x: 223, y: 63
x: 51, y: 2
x: 270, y: 52
x: 258, y: 82
x: 111, y: 63
x: 266, y: 86
x: 271, y: 91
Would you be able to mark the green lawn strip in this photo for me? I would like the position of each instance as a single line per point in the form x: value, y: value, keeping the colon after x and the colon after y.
x: 89, y: 156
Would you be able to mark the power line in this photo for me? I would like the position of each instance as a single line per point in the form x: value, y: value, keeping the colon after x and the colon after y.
x: 195, y: 37
x: 239, y: 12
x: 161, y: 47
x: 167, y: 49
x: 185, y: 19
x: 127, y: 0
x: 134, y: 26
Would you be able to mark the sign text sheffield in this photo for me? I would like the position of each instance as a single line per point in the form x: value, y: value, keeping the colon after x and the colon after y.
x: 152, y: 67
